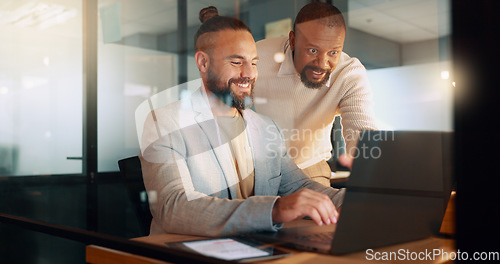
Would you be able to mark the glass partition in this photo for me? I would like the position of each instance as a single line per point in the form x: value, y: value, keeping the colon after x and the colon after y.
x: 41, y: 81
x: 40, y: 87
x: 139, y: 57
x: 134, y: 62
x: 405, y: 45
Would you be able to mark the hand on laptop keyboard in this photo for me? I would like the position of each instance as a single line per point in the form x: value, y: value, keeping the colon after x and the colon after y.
x: 318, y: 206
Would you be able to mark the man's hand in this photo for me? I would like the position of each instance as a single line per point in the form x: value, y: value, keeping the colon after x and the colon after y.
x: 345, y: 161
x: 318, y: 206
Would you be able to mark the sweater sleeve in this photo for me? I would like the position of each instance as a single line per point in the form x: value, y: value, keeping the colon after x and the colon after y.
x: 294, y: 179
x: 356, y: 105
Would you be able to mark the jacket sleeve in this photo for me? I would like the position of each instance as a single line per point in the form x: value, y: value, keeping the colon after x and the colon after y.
x: 175, y: 204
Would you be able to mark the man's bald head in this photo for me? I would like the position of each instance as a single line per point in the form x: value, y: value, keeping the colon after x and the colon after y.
x: 316, y: 42
x: 322, y: 13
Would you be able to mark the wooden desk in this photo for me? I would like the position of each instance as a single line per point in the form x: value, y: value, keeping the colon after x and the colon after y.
x: 101, y: 255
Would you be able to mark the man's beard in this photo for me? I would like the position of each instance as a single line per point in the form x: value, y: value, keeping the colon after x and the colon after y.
x: 314, y: 85
x: 226, y: 95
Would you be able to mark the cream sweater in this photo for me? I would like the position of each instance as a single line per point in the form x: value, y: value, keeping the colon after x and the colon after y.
x: 306, y: 115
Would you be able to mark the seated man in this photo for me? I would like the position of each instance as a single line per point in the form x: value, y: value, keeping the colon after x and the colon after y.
x: 212, y: 167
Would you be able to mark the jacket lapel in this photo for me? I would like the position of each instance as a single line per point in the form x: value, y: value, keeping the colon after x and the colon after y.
x: 205, y: 119
x: 255, y: 141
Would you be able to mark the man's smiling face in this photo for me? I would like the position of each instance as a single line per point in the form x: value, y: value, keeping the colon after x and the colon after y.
x: 233, y: 66
x: 317, y: 49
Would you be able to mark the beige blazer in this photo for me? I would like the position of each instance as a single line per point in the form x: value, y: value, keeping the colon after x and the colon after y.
x: 190, y: 179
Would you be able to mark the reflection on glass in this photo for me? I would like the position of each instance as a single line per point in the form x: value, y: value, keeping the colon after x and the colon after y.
x: 40, y: 87
x: 405, y: 45
x: 138, y: 57
x: 134, y: 62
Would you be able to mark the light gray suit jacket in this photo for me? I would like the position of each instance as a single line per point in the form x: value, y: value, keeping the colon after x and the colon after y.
x: 190, y: 179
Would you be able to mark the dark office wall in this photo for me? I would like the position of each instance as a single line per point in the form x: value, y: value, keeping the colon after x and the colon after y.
x: 168, y: 41
x: 22, y: 246
x: 116, y: 213
x: 374, y: 52
x: 60, y: 200
x: 262, y: 12
x: 426, y: 51
x: 476, y: 57
x: 52, y: 202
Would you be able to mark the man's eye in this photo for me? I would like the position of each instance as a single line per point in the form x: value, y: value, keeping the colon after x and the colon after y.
x: 333, y: 52
x: 254, y: 63
x: 236, y: 62
x: 313, y: 50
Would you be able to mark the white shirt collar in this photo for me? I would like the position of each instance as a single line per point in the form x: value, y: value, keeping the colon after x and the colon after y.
x: 287, y: 67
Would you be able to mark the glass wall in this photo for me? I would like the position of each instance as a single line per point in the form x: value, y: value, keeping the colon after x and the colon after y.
x: 41, y: 83
x: 134, y: 62
x: 405, y: 45
x: 40, y: 87
x: 139, y: 57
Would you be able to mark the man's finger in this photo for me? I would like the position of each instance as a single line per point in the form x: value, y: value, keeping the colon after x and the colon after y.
x: 320, y: 204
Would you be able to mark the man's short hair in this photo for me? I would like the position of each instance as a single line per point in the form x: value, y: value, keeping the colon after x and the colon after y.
x: 324, y: 13
x: 212, y: 22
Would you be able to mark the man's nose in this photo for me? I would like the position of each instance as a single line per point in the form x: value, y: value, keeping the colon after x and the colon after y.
x: 248, y: 71
x: 322, y: 61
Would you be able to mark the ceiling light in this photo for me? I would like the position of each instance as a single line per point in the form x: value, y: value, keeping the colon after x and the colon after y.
x: 38, y: 15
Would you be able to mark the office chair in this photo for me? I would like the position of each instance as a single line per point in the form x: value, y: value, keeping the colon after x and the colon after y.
x: 130, y: 169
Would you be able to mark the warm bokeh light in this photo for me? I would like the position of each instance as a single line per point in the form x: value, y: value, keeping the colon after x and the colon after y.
x: 279, y: 57
x: 445, y: 75
x: 4, y: 90
x: 46, y: 60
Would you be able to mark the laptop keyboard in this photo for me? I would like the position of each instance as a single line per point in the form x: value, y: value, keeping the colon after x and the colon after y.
x: 326, y: 237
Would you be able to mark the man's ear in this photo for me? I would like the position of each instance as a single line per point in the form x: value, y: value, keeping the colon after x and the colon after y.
x: 291, y: 40
x: 202, y: 61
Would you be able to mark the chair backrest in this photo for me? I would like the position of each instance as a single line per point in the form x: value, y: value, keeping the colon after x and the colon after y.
x: 130, y: 169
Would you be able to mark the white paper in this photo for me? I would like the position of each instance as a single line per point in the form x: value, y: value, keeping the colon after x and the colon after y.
x: 226, y: 248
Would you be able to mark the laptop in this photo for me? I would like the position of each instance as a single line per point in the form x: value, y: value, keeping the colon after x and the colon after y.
x: 397, y: 192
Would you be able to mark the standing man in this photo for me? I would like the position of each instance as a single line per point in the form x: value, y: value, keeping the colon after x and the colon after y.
x: 211, y: 167
x: 305, y: 80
